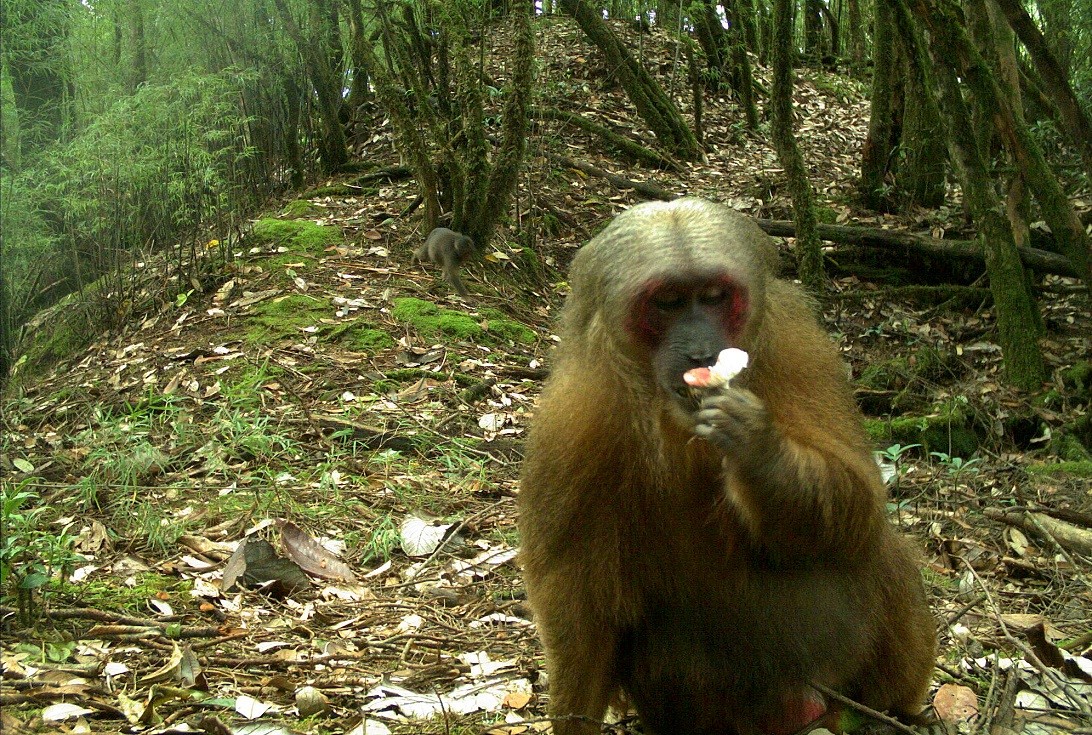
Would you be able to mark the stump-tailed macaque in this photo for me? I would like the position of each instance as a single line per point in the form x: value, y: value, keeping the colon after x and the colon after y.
x: 709, y: 553
x: 450, y: 249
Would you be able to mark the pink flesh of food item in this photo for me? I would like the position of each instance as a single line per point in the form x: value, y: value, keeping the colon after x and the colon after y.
x: 730, y: 363
x: 698, y: 377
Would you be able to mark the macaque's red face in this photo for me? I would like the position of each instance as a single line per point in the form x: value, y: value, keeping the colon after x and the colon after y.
x: 685, y: 325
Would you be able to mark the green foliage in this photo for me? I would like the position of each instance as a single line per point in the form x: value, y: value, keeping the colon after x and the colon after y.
x: 31, y: 553
x: 385, y: 537
x: 150, y: 169
x: 956, y: 466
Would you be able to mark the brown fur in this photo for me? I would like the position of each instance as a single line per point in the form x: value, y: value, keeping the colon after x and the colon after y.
x: 709, y: 584
x: 451, y: 250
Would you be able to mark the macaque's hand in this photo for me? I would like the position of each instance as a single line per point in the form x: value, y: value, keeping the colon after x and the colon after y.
x: 730, y: 363
x: 734, y: 419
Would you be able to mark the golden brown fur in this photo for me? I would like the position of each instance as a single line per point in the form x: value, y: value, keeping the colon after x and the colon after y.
x: 710, y: 580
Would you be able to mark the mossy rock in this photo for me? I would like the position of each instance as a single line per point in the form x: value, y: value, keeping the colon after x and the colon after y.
x: 951, y: 430
x: 284, y: 317
x: 301, y: 236
x: 1078, y: 379
x: 430, y: 321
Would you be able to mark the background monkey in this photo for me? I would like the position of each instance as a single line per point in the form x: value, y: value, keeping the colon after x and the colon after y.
x: 709, y: 553
x: 451, y: 250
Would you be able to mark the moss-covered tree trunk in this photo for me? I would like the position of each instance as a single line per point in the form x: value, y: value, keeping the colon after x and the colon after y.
x: 726, y: 57
x: 509, y: 156
x: 1075, y: 120
x: 458, y: 168
x: 922, y: 176
x: 808, y: 252
x: 652, y: 104
x: 1017, y: 314
x: 1068, y: 231
x: 877, y: 154
x: 855, y: 35
x: 742, y: 75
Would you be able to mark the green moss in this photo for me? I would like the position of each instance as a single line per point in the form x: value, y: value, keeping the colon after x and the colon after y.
x: 1072, y: 469
x: 299, y: 208
x: 362, y: 335
x: 878, y: 430
x: 1079, y: 378
x: 826, y: 215
x: 370, y: 340
x: 430, y: 321
x: 1051, y: 399
x: 296, y: 235
x: 949, y: 430
x: 1071, y: 443
x: 275, y: 319
x: 508, y: 329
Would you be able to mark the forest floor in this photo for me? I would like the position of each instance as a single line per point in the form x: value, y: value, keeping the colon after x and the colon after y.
x: 320, y: 392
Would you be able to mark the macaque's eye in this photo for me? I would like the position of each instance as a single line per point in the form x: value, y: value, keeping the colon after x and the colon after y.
x: 668, y: 300
x: 712, y: 296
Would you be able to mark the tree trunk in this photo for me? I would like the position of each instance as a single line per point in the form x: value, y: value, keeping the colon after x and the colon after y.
x: 713, y: 40
x: 922, y: 177
x: 1017, y: 314
x: 1075, y: 121
x: 808, y: 253
x: 653, y: 105
x: 509, y: 157
x: 743, y: 76
x: 359, y: 91
x: 813, y: 29
x: 877, y: 154
x: 856, y: 38
x: 326, y: 83
x: 1072, y: 239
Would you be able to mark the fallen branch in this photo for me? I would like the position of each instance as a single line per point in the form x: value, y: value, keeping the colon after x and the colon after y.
x: 873, y: 237
x: 1066, y: 535
x: 620, y: 142
x: 649, y: 190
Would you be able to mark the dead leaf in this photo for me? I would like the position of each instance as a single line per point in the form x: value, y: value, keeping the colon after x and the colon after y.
x: 310, y: 701
x: 313, y: 557
x: 955, y: 703
x: 255, y: 563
